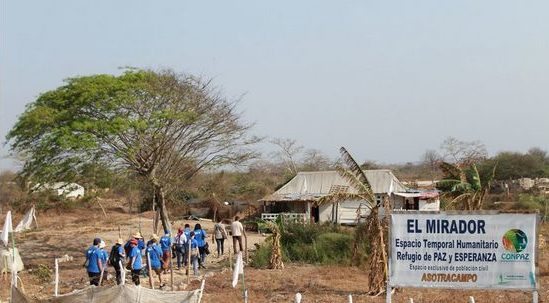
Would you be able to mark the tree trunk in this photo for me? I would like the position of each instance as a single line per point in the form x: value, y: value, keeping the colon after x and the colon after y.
x: 161, y: 206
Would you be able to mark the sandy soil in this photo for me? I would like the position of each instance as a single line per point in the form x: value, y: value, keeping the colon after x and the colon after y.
x: 71, y: 232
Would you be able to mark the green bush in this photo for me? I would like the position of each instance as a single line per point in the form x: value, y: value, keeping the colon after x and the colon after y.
x: 262, y: 256
x: 532, y: 202
x: 309, y: 243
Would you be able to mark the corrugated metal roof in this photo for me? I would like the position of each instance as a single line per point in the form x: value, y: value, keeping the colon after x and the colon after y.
x: 307, y: 186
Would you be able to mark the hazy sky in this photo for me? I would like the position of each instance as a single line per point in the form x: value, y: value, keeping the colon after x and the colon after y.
x: 386, y: 79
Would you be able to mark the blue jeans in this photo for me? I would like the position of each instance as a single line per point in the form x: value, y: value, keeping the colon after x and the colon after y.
x: 180, y: 253
x: 220, y: 249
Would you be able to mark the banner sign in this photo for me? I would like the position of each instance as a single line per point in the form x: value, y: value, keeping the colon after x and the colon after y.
x: 463, y: 251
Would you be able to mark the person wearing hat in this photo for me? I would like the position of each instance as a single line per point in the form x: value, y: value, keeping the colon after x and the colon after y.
x: 140, y: 243
x: 104, y: 257
x: 93, y: 262
x: 154, y: 255
x: 135, y: 261
x: 116, y: 256
x: 166, y: 246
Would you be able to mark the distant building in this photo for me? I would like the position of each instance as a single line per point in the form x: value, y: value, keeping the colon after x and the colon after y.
x: 65, y: 189
x: 298, y: 198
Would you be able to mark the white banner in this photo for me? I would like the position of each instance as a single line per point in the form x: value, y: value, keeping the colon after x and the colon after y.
x: 463, y: 251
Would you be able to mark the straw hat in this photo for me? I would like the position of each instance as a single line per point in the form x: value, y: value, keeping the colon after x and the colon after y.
x: 154, y: 237
x: 120, y: 241
x: 137, y: 235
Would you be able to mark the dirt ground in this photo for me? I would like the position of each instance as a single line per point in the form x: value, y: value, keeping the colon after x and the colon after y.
x: 71, y: 232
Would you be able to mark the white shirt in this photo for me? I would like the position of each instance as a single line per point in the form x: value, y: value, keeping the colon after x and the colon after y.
x: 180, y: 240
x: 237, y: 229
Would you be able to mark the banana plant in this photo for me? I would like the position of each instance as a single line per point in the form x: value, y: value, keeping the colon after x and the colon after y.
x: 463, y: 185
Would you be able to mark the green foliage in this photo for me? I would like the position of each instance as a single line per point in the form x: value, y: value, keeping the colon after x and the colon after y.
x: 309, y: 243
x: 532, y: 202
x: 42, y: 273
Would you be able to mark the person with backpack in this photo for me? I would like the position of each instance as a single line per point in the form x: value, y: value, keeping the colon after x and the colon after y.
x: 117, y: 256
x: 166, y: 246
x: 154, y: 256
x: 135, y: 263
x: 179, y: 242
x: 200, y: 236
x: 93, y: 262
x: 220, y: 234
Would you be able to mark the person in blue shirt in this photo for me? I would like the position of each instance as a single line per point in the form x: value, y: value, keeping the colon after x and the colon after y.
x: 154, y: 256
x: 140, y: 242
x: 93, y: 262
x: 135, y: 261
x: 104, y: 256
x: 187, y: 233
x: 200, y: 236
x: 166, y: 245
x: 194, y: 252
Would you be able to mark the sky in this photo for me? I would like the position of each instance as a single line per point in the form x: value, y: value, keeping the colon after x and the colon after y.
x: 385, y: 79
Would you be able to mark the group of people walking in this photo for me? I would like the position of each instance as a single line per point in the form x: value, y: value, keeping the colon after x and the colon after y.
x: 187, y: 245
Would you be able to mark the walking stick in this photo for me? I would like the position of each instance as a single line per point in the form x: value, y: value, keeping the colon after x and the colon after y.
x: 151, y: 283
x: 171, y: 270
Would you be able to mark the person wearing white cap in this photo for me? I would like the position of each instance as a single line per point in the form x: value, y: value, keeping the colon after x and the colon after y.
x: 103, y: 256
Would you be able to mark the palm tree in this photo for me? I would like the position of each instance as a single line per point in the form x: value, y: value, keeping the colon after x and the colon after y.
x: 462, y: 183
x: 373, y: 231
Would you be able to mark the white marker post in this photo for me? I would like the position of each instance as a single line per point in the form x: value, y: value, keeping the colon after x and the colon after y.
x: 56, y: 292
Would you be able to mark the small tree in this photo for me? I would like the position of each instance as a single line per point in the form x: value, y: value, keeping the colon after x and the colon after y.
x: 161, y: 125
x: 374, y: 230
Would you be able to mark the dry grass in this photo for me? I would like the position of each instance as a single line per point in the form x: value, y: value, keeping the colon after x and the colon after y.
x: 71, y: 232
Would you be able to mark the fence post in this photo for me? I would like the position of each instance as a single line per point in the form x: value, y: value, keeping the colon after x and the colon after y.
x: 56, y: 292
x: 350, y: 298
x: 410, y: 300
x: 122, y: 273
x: 535, y: 296
x: 297, y: 298
x: 471, y: 299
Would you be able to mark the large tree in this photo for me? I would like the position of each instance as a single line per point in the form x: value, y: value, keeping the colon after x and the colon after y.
x: 161, y: 125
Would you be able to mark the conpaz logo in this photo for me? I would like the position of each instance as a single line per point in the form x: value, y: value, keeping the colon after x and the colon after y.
x: 514, y: 240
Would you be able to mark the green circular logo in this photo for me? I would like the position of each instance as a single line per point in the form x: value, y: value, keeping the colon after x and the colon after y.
x: 514, y: 240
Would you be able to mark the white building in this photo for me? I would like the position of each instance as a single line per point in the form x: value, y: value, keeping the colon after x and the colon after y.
x: 298, y: 198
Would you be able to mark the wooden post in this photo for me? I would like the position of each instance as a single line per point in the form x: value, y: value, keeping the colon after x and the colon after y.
x: 171, y: 269
x: 149, y: 267
x: 297, y: 298
x: 102, y: 272
x: 388, y: 298
x: 471, y: 299
x: 189, y: 261
x: 56, y: 291
x: 246, y: 247
x: 231, y: 254
x: 122, y: 273
x: 535, y: 296
x: 201, y: 290
x: 350, y: 298
x: 410, y: 300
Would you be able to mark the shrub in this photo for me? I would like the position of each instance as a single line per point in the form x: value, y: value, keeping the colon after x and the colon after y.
x: 309, y: 243
x: 42, y: 273
x: 262, y: 256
